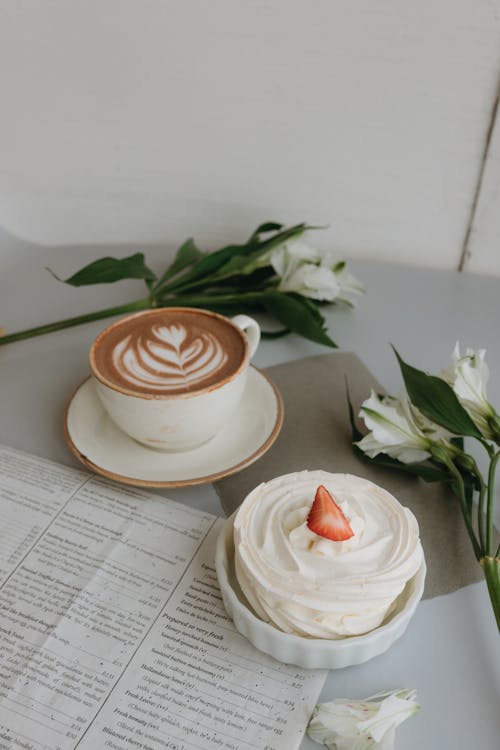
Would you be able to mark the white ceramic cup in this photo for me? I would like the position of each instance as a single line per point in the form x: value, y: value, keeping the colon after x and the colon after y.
x: 178, y: 421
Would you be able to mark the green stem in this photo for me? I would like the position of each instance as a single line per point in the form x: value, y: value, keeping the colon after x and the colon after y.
x: 181, y: 285
x: 489, y: 507
x: 205, y: 300
x: 491, y: 569
x: 463, y: 504
x: 141, y: 304
x: 481, y: 514
x: 488, y: 448
x: 179, y: 288
x: 469, y: 464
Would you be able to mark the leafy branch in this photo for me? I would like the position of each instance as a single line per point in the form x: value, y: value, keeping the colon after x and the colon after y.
x: 234, y: 278
x: 422, y: 433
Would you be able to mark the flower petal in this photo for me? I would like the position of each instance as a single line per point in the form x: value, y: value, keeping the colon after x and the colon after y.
x: 393, y: 430
x: 312, y: 281
x: 349, y: 287
x: 468, y: 376
x: 392, y: 712
x: 362, y: 725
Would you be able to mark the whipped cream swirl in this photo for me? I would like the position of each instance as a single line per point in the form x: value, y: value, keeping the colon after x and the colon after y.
x: 168, y: 357
x: 312, y: 586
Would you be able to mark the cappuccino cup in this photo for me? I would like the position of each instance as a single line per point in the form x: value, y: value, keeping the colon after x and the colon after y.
x: 171, y: 377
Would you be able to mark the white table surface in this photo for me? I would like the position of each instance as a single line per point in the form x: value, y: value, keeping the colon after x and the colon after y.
x: 450, y: 652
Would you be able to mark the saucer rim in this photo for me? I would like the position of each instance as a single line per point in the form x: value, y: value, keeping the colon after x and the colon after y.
x: 205, y: 479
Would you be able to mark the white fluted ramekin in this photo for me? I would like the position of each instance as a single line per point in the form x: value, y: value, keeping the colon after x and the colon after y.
x: 310, y: 653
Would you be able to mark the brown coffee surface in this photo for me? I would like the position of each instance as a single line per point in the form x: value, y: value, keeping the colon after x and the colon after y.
x: 169, y: 351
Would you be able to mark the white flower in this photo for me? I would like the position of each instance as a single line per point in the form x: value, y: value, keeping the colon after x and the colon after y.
x: 468, y: 376
x: 288, y: 256
x: 312, y: 273
x: 349, y: 286
x: 312, y: 281
x: 398, y: 429
x: 362, y: 725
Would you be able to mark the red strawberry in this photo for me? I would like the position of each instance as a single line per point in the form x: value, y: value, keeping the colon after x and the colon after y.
x: 326, y: 518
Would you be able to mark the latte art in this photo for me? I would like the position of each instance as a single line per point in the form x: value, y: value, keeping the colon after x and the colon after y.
x: 163, y: 353
x: 168, y: 358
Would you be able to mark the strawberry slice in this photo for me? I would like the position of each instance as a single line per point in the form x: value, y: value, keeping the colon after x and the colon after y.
x: 326, y: 518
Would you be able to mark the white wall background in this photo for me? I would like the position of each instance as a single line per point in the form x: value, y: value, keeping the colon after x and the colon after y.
x: 149, y: 121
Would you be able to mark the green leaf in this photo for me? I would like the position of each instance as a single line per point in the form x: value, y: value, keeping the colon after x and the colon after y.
x: 206, y: 266
x: 436, y: 400
x: 216, y: 260
x: 458, y: 442
x: 242, y: 258
x: 286, y: 234
x: 107, y: 270
x: 275, y: 334
x: 253, y: 281
x: 186, y: 255
x: 212, y: 267
x: 312, y: 306
x: 425, y: 471
x: 268, y: 226
x: 298, y: 315
x: 469, y: 487
x: 240, y: 265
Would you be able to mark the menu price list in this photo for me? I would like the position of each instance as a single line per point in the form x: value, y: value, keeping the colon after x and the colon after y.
x: 112, y: 629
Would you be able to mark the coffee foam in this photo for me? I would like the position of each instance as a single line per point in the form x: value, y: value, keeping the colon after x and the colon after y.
x: 169, y: 352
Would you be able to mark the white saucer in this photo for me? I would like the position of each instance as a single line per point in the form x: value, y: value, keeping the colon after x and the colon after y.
x: 99, y: 444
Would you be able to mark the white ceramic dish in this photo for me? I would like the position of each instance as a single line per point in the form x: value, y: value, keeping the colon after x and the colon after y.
x: 309, y: 653
x: 99, y: 444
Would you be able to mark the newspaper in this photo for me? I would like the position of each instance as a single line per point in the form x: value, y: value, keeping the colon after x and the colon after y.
x: 112, y: 629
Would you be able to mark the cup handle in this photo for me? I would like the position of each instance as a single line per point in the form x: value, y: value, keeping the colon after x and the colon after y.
x: 251, y: 329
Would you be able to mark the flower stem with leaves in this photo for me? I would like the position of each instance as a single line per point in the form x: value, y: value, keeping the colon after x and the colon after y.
x: 274, y: 272
x: 423, y: 434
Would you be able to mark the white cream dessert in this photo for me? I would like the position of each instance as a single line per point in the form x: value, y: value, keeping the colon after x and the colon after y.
x: 309, y: 585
